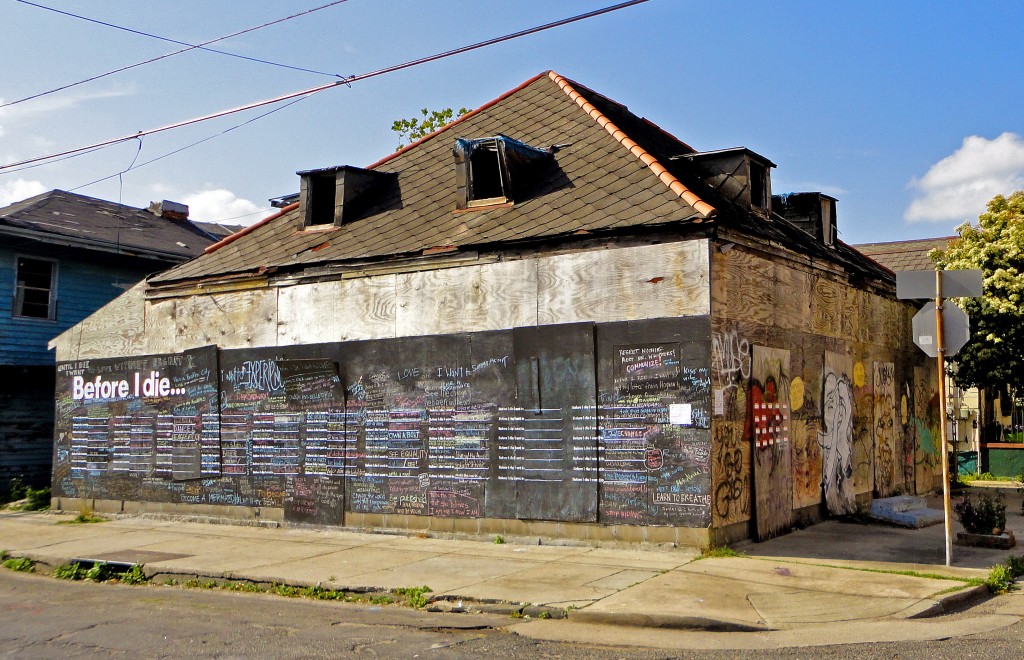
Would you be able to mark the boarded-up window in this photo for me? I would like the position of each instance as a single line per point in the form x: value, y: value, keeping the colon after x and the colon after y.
x: 34, y: 288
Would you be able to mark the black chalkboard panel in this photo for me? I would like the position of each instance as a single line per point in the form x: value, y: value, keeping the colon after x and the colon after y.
x: 314, y: 500
x: 121, y: 421
x: 550, y: 440
x: 654, y: 424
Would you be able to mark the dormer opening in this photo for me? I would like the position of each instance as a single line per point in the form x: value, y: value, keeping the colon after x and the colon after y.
x: 759, y: 193
x: 320, y: 200
x: 739, y: 175
x: 495, y: 170
x: 332, y: 196
x: 487, y: 174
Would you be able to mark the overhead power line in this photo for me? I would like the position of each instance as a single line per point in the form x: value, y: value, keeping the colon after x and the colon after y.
x: 133, y: 166
x: 188, y: 47
x: 314, y: 90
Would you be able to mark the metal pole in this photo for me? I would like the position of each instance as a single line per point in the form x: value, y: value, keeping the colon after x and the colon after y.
x: 941, y: 350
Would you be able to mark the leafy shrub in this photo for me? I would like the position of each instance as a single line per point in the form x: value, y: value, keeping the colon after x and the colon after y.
x: 38, y: 499
x: 983, y: 516
x: 1016, y: 565
x: 15, y: 490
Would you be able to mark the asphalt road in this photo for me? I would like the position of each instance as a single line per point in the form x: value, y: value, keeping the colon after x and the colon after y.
x: 41, y: 617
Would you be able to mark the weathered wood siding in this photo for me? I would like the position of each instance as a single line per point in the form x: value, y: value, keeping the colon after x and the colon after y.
x: 779, y: 303
x: 84, y: 284
x: 618, y: 284
x: 26, y: 426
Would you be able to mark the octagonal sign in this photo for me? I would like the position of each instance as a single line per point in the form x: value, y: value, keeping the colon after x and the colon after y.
x: 956, y: 329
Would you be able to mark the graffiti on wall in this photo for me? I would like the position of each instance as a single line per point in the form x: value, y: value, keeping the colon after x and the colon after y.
x: 885, y: 428
x: 908, y: 438
x: 730, y: 373
x: 768, y: 421
x: 731, y: 469
x: 863, y: 430
x: 926, y: 425
x: 836, y: 435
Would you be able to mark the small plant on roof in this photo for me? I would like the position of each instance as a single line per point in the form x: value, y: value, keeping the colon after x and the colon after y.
x: 986, y: 515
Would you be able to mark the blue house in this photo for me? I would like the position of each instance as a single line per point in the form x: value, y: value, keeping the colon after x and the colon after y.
x: 63, y: 256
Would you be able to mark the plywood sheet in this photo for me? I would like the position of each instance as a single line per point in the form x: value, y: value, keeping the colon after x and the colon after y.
x: 863, y: 426
x: 342, y: 310
x: 885, y: 429
x: 770, y: 420
x: 494, y: 296
x: 732, y: 498
x: 114, y: 330
x: 667, y: 280
x: 926, y: 422
x: 826, y: 307
x: 793, y: 302
x: 836, y: 434
x: 160, y: 330
x: 750, y: 287
x: 241, y: 319
x: 806, y: 463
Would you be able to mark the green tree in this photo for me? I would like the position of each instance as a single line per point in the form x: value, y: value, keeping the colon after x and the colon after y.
x: 410, y: 130
x: 994, y: 356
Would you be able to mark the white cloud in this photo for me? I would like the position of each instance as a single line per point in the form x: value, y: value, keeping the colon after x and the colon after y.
x: 19, y: 189
x: 960, y: 185
x: 222, y: 206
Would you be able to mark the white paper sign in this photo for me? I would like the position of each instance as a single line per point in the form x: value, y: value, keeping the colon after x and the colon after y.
x: 719, y: 402
x: 680, y: 413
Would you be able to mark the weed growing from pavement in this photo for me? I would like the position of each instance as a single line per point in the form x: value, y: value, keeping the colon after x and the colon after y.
x: 499, y: 539
x: 1000, y: 579
x: 715, y: 552
x: 409, y: 596
x: 415, y: 596
x: 69, y: 572
x: 20, y: 564
x: 85, y: 516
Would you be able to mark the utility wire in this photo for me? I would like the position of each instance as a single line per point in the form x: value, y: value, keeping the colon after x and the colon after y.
x: 133, y: 166
x: 320, y: 88
x: 188, y: 47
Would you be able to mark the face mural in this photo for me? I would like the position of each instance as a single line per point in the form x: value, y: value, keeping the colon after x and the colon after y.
x: 836, y: 440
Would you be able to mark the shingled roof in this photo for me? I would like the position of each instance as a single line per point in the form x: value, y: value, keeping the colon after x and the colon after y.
x: 66, y: 218
x: 611, y: 172
x: 899, y: 256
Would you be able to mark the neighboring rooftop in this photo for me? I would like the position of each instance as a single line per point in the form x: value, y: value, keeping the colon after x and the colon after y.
x: 66, y: 218
x: 899, y: 256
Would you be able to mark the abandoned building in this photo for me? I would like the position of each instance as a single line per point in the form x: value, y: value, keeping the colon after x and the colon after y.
x: 63, y: 256
x: 548, y: 318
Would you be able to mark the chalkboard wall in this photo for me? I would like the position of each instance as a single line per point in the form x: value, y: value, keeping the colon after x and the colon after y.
x: 587, y: 423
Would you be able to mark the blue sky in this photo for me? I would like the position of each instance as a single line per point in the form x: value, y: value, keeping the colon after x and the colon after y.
x: 910, y: 113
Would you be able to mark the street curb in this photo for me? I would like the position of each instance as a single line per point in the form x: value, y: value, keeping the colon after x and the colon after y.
x: 662, y: 621
x: 953, y: 601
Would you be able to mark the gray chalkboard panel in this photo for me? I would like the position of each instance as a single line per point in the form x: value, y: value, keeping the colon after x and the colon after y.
x: 655, y: 471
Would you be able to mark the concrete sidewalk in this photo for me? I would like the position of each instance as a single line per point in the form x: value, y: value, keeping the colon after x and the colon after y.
x: 808, y: 578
